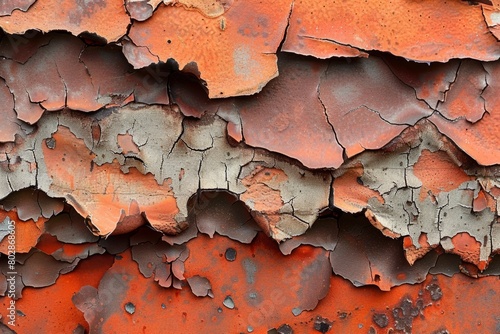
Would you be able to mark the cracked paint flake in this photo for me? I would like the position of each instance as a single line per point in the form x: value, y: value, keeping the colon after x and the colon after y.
x: 27, y: 231
x: 9, y: 126
x: 410, y: 199
x: 200, y: 286
x: 32, y: 204
x: 141, y: 10
x: 431, y: 81
x: 39, y: 270
x: 243, y: 41
x: 286, y: 125
x: 71, y: 253
x: 467, y: 135
x: 7, y: 7
x: 77, y: 17
x: 354, y: 95
x: 492, y: 18
x: 69, y: 227
x: 354, y: 240
x: 330, y: 99
x: 464, y: 99
x: 349, y: 193
x: 324, y: 233
x: 210, y: 163
x: 61, y: 71
x: 162, y: 261
x: 426, y: 31
x: 158, y: 202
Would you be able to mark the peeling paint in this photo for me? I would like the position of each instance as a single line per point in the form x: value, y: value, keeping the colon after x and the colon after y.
x: 308, y: 166
x: 427, y: 32
x: 258, y: 30
x: 77, y: 17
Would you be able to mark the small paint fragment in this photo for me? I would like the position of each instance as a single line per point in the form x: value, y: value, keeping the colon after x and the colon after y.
x: 130, y: 308
x: 228, y: 302
x: 200, y: 286
x: 435, y: 291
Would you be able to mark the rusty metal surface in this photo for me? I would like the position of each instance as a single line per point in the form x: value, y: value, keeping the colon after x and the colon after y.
x: 260, y: 289
x: 271, y: 167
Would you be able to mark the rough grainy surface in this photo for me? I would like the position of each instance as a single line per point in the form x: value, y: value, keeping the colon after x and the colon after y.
x: 248, y: 166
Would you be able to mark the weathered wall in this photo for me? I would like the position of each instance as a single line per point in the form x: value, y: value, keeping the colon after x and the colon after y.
x: 362, y: 137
